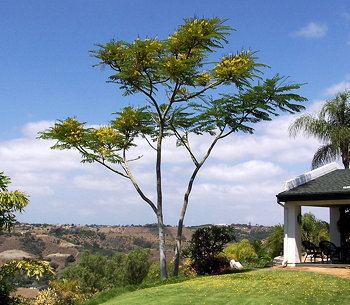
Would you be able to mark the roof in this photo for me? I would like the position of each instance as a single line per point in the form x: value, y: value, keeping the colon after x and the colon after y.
x: 332, y: 185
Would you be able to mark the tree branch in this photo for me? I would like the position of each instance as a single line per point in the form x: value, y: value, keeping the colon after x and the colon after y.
x: 188, y: 148
x: 83, y: 151
x: 135, y: 184
x: 212, y: 85
x: 149, y: 143
x: 135, y: 159
x: 171, y: 100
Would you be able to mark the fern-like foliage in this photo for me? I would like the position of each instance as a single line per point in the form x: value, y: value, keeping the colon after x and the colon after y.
x: 10, y: 202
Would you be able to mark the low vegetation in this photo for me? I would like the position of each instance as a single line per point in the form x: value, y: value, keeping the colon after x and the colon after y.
x: 97, y: 273
x: 99, y: 278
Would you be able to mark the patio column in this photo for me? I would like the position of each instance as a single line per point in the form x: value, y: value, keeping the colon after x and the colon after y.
x: 292, y: 234
x: 334, y: 215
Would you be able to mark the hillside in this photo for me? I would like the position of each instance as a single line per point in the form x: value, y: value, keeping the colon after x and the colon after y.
x: 62, y: 244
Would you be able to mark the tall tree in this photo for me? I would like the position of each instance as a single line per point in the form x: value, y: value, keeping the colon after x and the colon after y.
x: 10, y: 202
x: 177, y: 80
x: 331, y: 126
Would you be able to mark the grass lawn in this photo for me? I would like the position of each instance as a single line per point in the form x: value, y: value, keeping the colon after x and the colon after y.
x: 266, y: 286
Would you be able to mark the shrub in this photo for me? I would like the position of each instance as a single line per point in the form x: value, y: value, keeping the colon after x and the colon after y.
x: 250, y: 254
x: 60, y: 293
x: 313, y: 229
x: 242, y: 252
x: 47, y: 297
x: 96, y: 272
x: 205, y: 247
x: 10, y: 271
x: 137, y: 266
x: 274, y: 243
x: 187, y: 269
x: 154, y: 274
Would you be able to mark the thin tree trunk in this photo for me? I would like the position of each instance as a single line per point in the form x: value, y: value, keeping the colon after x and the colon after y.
x: 185, y: 204
x: 181, y: 223
x: 345, y: 156
x: 162, y: 254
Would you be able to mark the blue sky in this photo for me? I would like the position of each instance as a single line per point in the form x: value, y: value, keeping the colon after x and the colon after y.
x: 47, y: 74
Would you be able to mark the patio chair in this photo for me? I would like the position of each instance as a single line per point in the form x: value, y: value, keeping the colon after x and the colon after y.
x: 312, y: 251
x: 331, y: 251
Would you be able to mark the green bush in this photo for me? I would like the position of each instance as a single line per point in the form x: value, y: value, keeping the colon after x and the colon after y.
x: 274, y: 243
x: 313, y: 229
x: 243, y: 252
x: 185, y: 271
x: 250, y: 254
x: 205, y: 247
x: 96, y: 272
x: 61, y: 292
x: 136, y: 268
x: 10, y: 271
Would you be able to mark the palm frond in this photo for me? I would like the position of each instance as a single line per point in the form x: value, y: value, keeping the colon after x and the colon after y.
x: 311, y: 126
x: 325, y: 154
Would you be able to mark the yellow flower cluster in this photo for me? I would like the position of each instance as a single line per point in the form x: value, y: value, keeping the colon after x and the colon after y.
x: 108, y: 139
x: 203, y: 79
x: 235, y: 66
x: 127, y: 122
x: 199, y: 27
x: 189, y: 39
x: 144, y: 54
x: 71, y: 129
x: 107, y: 134
x: 175, y: 67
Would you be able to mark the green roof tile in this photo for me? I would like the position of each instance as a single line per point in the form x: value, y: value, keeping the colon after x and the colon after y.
x: 334, y: 185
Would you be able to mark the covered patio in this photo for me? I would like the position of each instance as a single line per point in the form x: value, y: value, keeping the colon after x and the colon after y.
x: 327, y: 186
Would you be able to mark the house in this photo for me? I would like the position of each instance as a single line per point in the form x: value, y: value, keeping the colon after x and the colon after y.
x: 327, y: 186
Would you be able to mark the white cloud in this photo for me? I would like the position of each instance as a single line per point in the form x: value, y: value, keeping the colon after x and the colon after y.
x: 238, y: 184
x: 246, y: 172
x: 32, y: 129
x: 338, y: 87
x: 312, y: 30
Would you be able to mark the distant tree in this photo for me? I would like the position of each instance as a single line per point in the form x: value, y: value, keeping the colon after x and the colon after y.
x: 177, y: 79
x: 11, y: 202
x: 332, y: 127
x: 274, y: 243
x: 313, y: 229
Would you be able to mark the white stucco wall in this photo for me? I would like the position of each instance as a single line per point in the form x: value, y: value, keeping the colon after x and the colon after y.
x: 292, y: 234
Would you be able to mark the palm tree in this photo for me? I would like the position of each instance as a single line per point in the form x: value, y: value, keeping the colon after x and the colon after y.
x: 10, y: 202
x: 332, y: 127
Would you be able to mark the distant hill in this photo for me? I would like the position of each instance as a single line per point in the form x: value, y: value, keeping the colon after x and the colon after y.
x: 62, y: 244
